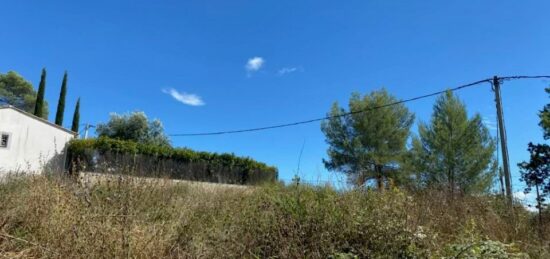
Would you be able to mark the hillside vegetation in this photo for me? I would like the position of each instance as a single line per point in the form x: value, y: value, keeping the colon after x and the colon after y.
x: 54, y: 217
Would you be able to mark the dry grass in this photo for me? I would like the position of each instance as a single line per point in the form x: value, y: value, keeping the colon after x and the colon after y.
x: 89, y: 179
x: 123, y: 217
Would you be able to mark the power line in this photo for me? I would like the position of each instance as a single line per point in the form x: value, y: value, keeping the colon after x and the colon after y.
x: 523, y: 77
x: 488, y: 80
x: 327, y: 117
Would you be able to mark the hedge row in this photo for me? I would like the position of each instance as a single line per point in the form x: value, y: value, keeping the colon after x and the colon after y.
x: 110, y: 155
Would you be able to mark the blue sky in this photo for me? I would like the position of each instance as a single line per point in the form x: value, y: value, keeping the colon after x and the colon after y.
x: 256, y: 63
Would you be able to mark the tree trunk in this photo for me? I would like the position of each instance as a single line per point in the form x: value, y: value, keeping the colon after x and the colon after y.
x: 379, y: 178
x: 539, y: 207
x: 450, y: 175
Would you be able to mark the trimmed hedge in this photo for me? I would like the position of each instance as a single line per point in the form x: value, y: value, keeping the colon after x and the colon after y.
x: 120, y: 156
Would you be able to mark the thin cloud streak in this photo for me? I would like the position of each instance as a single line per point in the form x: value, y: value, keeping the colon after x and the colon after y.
x: 185, y: 98
x: 287, y: 70
x: 490, y: 124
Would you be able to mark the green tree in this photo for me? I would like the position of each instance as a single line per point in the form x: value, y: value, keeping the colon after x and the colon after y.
x: 16, y: 91
x: 134, y: 126
x: 536, y: 172
x: 454, y: 151
x: 39, y: 104
x: 61, y: 103
x: 368, y: 145
x: 76, y: 117
x: 545, y: 118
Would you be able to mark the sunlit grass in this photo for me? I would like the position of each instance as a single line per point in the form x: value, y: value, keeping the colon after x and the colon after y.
x: 130, y: 217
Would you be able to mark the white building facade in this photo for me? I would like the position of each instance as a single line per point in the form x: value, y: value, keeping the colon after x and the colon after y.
x: 28, y: 143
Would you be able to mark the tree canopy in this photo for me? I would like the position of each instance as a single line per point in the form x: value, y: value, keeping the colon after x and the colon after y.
x: 453, y: 151
x: 134, y: 126
x: 545, y: 118
x: 17, y: 91
x: 368, y: 145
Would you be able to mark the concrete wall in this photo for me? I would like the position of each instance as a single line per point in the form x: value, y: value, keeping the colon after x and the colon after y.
x: 33, y: 143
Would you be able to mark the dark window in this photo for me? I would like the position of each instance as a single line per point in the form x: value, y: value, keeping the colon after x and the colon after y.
x: 4, y: 140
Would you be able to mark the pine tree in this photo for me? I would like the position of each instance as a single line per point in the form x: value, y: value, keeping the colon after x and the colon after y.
x: 454, y: 151
x: 61, y: 103
x: 536, y: 172
x: 39, y: 104
x: 545, y: 118
x: 76, y: 117
x: 368, y: 145
x: 17, y: 91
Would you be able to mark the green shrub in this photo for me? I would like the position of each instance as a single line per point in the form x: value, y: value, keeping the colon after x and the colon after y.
x: 110, y: 155
x: 473, y: 245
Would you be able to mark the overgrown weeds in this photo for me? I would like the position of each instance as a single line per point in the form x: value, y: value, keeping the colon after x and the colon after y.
x: 128, y: 217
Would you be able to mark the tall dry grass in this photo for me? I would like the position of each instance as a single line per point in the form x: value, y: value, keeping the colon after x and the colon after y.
x: 124, y: 217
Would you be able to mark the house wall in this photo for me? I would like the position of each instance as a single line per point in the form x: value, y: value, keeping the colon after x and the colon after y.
x: 32, y: 144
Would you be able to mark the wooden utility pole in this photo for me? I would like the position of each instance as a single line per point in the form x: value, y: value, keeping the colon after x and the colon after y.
x: 503, y: 143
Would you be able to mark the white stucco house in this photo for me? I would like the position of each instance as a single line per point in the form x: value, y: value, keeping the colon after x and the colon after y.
x: 29, y: 143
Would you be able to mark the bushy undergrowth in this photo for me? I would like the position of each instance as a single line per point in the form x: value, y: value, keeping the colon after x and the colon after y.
x: 128, y: 217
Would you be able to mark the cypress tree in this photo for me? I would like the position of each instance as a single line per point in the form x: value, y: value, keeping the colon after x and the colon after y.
x: 61, y: 103
x: 39, y: 104
x: 76, y: 117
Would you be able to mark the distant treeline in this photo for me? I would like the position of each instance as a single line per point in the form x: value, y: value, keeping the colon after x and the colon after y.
x: 106, y: 155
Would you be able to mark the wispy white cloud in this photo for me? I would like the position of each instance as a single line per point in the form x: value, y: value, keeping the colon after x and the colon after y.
x: 254, y: 64
x: 185, y: 98
x: 287, y: 70
x: 489, y: 123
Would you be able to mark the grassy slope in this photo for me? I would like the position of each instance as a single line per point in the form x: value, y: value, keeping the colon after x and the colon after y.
x: 122, y: 217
